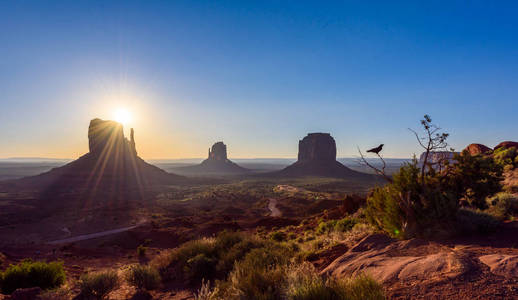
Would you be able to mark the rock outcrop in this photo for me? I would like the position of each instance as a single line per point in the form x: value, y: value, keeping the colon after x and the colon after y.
x: 387, y: 261
x: 111, y: 166
x: 108, y: 136
x: 507, y: 144
x: 218, y: 152
x: 317, y: 157
x: 217, y: 163
x: 477, y: 149
x: 317, y: 147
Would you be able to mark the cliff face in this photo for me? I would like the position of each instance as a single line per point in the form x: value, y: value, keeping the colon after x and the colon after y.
x: 218, y: 152
x: 111, y: 166
x: 217, y: 163
x: 105, y: 137
x: 317, y: 157
x: 317, y: 147
x: 477, y: 149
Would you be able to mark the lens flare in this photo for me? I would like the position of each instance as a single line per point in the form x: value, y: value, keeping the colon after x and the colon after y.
x: 122, y: 116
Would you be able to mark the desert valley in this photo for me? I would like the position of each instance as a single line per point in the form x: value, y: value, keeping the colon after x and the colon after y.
x: 110, y: 211
x: 258, y: 150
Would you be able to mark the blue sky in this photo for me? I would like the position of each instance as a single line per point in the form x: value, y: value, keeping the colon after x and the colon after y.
x: 258, y: 75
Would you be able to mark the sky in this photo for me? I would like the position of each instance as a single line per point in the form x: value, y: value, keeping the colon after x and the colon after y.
x: 258, y: 75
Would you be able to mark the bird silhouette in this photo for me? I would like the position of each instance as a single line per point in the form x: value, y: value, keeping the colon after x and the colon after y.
x: 376, y: 150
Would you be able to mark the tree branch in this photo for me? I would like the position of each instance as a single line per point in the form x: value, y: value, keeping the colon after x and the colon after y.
x: 378, y: 171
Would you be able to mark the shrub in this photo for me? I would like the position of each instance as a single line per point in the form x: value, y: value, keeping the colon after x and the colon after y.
x: 325, y: 227
x: 143, y: 277
x: 278, y: 236
x: 345, y: 224
x: 32, y: 274
x: 502, y: 205
x: 413, y: 205
x: 473, y: 178
x: 98, y: 284
x: 294, y: 282
x: 206, y: 258
x: 141, y: 250
x: 304, y: 283
x: 248, y: 282
x: 188, y: 257
x: 406, y: 207
x: 472, y: 221
x: 505, y: 156
x: 342, y: 225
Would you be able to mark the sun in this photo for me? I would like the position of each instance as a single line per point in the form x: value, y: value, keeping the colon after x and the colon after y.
x: 122, y: 116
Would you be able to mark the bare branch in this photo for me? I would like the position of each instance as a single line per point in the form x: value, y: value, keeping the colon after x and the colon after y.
x: 417, y: 137
x: 378, y: 171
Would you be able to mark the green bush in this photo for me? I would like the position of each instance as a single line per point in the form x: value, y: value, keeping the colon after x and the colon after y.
x: 207, y: 258
x: 502, y: 205
x: 304, y: 283
x: 289, y: 281
x: 249, y: 282
x: 505, y: 156
x: 278, y: 236
x: 143, y: 277
x: 407, y: 207
x: 32, y: 274
x: 342, y: 225
x: 472, y: 221
x: 325, y: 227
x: 345, y: 224
x: 473, y: 178
x: 98, y: 285
x: 413, y: 205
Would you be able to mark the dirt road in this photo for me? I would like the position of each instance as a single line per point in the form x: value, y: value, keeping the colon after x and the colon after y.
x: 272, y: 206
x: 92, y: 235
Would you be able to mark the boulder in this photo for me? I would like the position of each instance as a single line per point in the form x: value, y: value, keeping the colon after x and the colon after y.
x: 477, y: 149
x: 317, y: 146
x: 387, y: 260
x: 26, y: 294
x: 507, y: 144
x: 501, y: 264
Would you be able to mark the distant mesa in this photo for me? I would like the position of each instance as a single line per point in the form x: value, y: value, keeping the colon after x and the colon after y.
x: 217, y: 163
x: 218, y: 152
x: 317, y: 157
x: 317, y: 147
x: 103, y: 135
x: 111, y: 166
x: 507, y: 145
x: 477, y: 149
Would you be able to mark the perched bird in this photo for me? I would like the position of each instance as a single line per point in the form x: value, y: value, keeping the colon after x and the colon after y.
x: 376, y: 150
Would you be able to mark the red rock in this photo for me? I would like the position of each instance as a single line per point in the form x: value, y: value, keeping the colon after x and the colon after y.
x: 507, y: 144
x: 476, y: 149
x: 317, y: 146
x: 26, y: 294
x: 218, y: 152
